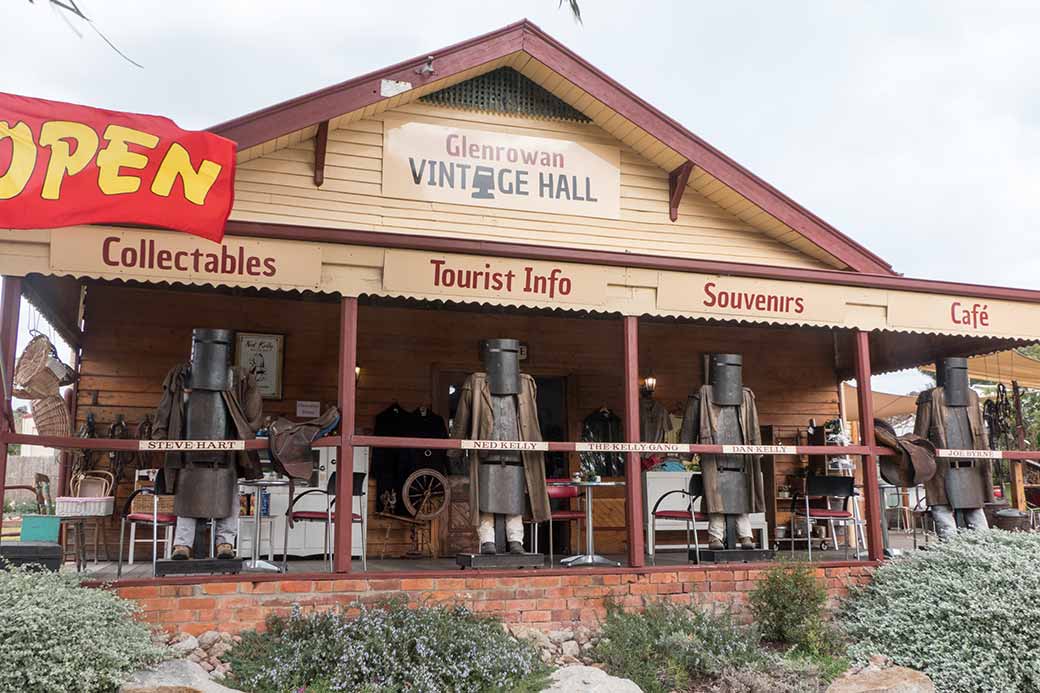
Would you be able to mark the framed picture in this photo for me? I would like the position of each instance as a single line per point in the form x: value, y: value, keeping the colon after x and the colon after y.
x: 263, y: 355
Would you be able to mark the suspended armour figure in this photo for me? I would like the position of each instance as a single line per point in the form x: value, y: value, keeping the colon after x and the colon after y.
x: 724, y: 413
x: 950, y: 416
x: 500, y: 404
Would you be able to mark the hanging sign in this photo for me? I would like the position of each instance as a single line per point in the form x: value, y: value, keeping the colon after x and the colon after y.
x: 180, y: 445
x: 163, y: 256
x: 521, y: 445
x: 969, y: 454
x: 492, y: 168
x: 62, y: 164
x: 481, y: 278
x: 728, y: 297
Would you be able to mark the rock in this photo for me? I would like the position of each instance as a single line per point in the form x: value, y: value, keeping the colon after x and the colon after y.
x: 220, y: 649
x: 582, y: 679
x: 177, y: 675
x: 209, y: 639
x: 582, y: 634
x: 207, y: 666
x: 874, y: 679
x: 184, y: 645
x: 588, y: 647
x: 571, y: 648
x: 558, y: 637
x: 200, y: 653
x: 534, y: 636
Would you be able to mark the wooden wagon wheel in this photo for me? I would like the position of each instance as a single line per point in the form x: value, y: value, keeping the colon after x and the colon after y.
x: 426, y: 494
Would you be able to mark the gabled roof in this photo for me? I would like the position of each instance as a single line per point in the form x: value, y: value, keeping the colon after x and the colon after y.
x: 617, y: 110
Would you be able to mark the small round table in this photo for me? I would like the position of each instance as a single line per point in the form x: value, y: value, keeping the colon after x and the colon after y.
x: 589, y: 558
x: 258, y: 485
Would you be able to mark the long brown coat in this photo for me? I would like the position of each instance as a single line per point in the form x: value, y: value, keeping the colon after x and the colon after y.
x: 699, y: 425
x: 474, y: 420
x: 931, y: 424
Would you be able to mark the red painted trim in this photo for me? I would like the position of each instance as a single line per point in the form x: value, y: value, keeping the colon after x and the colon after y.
x: 633, y: 468
x: 872, y: 493
x: 610, y: 259
x: 73, y: 443
x: 348, y: 317
x: 349, y: 96
x: 345, y: 97
x: 10, y: 307
x: 677, y: 181
x: 468, y: 574
x: 321, y: 145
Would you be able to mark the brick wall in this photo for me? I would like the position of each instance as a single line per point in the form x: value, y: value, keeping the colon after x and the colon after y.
x: 547, y: 600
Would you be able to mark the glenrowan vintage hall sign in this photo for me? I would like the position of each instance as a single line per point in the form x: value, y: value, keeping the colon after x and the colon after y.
x: 489, y: 168
x: 63, y: 165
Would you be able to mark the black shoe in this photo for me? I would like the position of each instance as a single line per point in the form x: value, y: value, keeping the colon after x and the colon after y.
x: 516, y: 547
x: 488, y: 548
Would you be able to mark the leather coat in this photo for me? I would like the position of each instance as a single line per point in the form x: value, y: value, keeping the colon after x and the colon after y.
x: 931, y: 424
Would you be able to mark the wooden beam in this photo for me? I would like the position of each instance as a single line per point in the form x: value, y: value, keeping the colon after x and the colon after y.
x: 1018, y: 489
x: 10, y: 307
x: 348, y: 316
x: 677, y: 181
x: 321, y: 144
x: 871, y: 490
x: 633, y: 468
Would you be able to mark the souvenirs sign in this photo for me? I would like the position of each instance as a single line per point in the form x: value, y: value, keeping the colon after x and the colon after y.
x: 63, y: 164
x: 492, y: 168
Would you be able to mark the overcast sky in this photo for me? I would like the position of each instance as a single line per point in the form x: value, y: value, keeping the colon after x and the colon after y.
x: 910, y: 126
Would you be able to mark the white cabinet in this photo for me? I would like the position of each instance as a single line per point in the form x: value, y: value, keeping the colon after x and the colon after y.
x: 305, y: 538
x: 657, y: 484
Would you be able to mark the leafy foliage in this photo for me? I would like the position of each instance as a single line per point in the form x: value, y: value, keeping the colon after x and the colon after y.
x: 966, y: 613
x: 666, y: 647
x: 788, y: 604
x: 58, y: 637
x: 388, y: 647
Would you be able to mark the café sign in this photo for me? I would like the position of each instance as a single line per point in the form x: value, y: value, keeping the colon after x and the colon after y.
x: 505, y: 170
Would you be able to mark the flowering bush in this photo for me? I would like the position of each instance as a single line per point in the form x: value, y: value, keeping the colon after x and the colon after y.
x: 967, y: 613
x: 58, y: 637
x: 389, y: 647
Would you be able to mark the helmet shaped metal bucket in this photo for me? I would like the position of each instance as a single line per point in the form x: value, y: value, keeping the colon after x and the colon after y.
x: 954, y: 380
x: 724, y: 374
x: 210, y: 358
x: 502, y: 365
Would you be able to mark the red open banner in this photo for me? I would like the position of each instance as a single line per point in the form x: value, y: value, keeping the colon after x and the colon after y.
x: 62, y: 164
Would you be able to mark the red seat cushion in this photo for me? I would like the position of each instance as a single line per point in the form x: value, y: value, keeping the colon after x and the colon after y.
x: 825, y: 514
x: 568, y: 514
x: 680, y: 515
x: 147, y: 517
x: 562, y: 491
x: 319, y: 515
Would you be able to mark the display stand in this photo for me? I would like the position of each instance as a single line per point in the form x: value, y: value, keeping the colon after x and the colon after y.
x: 199, y: 566
x: 503, y: 559
x: 733, y: 555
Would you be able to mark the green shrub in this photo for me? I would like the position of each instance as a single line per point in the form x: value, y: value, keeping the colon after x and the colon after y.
x: 667, y: 646
x: 967, y: 613
x: 389, y: 647
x: 58, y: 637
x: 788, y: 602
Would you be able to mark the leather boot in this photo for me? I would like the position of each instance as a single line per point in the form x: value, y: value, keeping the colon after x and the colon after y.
x: 516, y: 547
x: 715, y: 544
x: 747, y: 543
x: 180, y: 553
x: 225, y: 551
x: 488, y: 548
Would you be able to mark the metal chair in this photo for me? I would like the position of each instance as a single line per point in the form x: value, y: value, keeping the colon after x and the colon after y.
x: 155, y: 518
x: 562, y: 515
x: 694, y: 493
x: 328, y: 516
x: 825, y: 488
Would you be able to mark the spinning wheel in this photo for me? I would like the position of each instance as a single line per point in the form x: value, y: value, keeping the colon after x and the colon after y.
x: 426, y: 494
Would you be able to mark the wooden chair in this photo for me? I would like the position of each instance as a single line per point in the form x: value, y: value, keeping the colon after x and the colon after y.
x: 155, y: 518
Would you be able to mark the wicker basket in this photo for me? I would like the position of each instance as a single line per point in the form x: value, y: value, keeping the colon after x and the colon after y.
x: 74, y: 506
x: 39, y: 372
x: 144, y: 502
x: 51, y: 416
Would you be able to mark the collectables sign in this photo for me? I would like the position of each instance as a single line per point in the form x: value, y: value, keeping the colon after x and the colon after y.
x: 494, y: 168
x: 63, y: 164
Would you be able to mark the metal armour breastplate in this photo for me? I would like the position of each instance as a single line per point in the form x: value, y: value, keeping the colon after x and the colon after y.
x: 733, y: 481
x: 501, y: 484
x: 963, y: 483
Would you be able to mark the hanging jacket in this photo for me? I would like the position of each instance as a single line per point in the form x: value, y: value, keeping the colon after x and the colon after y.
x: 930, y: 423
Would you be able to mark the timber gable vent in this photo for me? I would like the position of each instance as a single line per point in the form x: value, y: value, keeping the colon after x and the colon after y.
x: 505, y: 91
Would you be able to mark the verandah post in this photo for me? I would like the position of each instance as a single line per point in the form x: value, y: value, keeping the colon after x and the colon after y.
x: 633, y: 472
x: 348, y: 313
x: 10, y: 305
x: 872, y: 493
